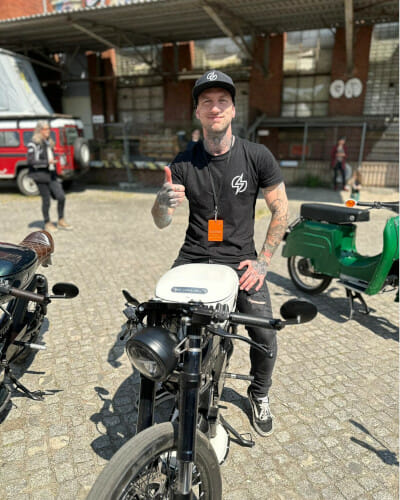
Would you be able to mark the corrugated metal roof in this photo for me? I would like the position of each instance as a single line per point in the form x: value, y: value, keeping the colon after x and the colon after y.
x: 142, y: 21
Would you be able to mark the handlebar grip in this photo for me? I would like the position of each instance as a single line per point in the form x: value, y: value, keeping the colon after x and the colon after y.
x: 16, y: 292
x: 249, y: 320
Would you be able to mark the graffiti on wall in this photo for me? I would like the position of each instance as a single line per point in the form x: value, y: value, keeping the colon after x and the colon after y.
x: 69, y: 5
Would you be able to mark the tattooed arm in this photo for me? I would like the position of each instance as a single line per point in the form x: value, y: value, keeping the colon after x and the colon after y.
x: 277, y: 202
x: 276, y: 199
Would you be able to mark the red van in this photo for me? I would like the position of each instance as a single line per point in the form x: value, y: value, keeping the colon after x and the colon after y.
x: 71, y: 148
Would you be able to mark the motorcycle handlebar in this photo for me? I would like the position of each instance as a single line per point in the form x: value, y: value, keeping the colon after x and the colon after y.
x: 249, y: 320
x: 205, y: 315
x: 24, y: 294
x: 390, y: 205
x: 293, y: 312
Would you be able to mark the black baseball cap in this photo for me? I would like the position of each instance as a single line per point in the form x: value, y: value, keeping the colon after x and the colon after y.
x: 213, y: 78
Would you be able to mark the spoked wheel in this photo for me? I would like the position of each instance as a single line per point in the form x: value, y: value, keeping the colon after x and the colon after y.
x: 145, y: 468
x: 304, y: 278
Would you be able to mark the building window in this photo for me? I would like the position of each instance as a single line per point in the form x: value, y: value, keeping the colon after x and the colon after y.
x: 382, y: 94
x: 137, y: 61
x: 141, y: 107
x: 307, y: 66
x: 218, y: 53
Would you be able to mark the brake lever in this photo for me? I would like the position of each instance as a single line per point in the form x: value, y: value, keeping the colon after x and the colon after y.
x: 221, y: 333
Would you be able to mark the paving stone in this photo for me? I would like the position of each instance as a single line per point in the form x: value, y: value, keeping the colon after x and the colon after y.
x: 335, y: 388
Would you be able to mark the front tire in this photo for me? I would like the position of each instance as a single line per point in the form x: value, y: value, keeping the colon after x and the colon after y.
x: 304, y: 278
x: 145, y: 468
x: 26, y: 184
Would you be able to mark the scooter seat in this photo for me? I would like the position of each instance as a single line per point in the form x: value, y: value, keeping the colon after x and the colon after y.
x: 332, y: 213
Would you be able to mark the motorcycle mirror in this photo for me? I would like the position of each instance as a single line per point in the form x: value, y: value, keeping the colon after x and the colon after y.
x: 299, y: 310
x: 64, y: 291
x: 129, y: 298
x: 350, y: 203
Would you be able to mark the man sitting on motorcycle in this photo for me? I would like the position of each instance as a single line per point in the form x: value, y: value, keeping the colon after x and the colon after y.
x: 221, y: 177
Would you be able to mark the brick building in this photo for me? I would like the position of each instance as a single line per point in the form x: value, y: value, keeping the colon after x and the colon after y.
x: 303, y: 79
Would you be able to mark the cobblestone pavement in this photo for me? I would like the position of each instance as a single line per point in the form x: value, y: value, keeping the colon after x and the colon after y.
x: 335, y: 390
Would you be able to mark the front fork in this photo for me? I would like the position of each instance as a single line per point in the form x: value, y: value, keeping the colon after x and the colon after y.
x: 190, y: 379
x: 189, y: 385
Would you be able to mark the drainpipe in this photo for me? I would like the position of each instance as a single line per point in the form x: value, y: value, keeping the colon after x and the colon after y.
x: 303, y: 152
x: 361, y: 153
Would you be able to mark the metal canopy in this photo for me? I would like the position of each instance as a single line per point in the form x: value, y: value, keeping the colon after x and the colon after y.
x: 143, y: 22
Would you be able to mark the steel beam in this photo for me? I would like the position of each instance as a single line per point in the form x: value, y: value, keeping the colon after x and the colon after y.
x: 210, y: 11
x: 349, y: 22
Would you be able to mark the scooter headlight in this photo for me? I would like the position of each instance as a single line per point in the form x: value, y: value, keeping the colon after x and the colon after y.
x: 152, y: 352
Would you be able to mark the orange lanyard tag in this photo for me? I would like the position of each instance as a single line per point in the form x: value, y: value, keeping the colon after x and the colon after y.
x: 215, y: 230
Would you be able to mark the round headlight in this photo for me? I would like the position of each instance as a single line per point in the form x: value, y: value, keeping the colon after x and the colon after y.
x: 152, y: 352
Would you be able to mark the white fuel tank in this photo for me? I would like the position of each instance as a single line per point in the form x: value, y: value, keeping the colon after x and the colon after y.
x: 207, y: 283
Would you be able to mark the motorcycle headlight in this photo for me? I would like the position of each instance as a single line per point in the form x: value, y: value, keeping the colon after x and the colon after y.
x: 152, y: 352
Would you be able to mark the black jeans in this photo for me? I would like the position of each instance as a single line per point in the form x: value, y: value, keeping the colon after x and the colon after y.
x: 257, y: 303
x: 339, y: 167
x: 55, y: 190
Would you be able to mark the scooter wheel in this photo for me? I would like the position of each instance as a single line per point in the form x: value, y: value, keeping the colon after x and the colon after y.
x: 304, y: 278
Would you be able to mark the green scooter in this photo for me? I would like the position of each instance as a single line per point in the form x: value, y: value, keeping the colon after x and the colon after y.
x: 320, y: 246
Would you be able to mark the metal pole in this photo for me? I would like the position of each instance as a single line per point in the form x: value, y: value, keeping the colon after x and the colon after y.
x: 126, y: 152
x: 303, y: 152
x: 361, y: 153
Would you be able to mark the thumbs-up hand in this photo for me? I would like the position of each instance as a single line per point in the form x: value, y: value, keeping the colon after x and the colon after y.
x: 170, y: 195
x: 168, y: 175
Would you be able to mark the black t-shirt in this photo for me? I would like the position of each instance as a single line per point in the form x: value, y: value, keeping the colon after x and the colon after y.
x: 237, y: 177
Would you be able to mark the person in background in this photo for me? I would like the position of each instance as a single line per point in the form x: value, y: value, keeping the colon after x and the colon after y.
x: 42, y: 169
x: 338, y: 162
x: 196, y: 135
x: 355, y: 185
x: 221, y: 177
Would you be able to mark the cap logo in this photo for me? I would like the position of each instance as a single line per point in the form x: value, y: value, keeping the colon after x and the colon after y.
x: 212, y: 76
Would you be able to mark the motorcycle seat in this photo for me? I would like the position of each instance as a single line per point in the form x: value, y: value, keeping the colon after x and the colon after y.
x: 332, y: 213
x: 40, y: 242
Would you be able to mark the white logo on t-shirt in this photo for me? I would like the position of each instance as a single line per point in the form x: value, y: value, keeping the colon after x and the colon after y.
x: 239, y: 184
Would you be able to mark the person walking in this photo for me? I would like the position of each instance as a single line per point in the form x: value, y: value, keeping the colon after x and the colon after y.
x: 338, y: 162
x: 42, y: 169
x: 221, y: 176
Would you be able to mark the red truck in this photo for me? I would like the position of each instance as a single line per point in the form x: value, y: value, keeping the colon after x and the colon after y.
x: 71, y: 148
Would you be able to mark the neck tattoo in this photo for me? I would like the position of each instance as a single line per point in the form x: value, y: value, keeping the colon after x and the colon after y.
x: 217, y: 146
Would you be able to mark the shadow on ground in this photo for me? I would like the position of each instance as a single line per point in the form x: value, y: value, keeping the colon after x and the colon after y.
x: 337, y: 308
x: 384, y: 453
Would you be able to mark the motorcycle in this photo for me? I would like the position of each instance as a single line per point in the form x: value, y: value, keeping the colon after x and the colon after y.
x: 321, y: 245
x: 181, y: 342
x: 23, y: 304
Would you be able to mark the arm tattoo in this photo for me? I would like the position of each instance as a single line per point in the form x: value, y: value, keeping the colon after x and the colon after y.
x: 161, y: 215
x: 278, y: 204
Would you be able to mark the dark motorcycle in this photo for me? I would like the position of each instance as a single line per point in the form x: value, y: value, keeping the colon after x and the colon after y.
x: 181, y: 342
x: 23, y: 304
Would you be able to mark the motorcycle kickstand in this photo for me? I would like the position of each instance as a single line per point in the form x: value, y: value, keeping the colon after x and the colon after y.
x: 240, y: 437
x: 352, y: 296
x: 18, y: 385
